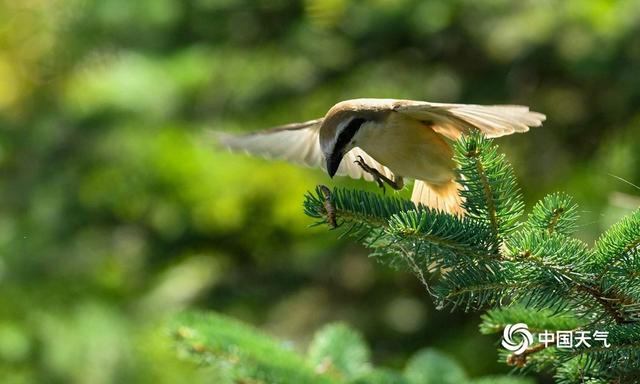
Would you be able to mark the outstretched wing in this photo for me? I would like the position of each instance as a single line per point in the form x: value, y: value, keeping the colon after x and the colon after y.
x: 299, y: 143
x: 453, y: 120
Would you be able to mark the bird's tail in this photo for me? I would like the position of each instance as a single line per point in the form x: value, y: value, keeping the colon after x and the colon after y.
x: 443, y: 197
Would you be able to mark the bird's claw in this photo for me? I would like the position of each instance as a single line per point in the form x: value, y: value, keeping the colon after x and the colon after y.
x: 329, y: 208
x: 379, y: 178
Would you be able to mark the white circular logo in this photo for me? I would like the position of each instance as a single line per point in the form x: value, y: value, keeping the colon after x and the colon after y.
x: 517, y: 329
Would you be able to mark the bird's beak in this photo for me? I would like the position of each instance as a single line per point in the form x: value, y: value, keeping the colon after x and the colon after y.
x: 333, y: 162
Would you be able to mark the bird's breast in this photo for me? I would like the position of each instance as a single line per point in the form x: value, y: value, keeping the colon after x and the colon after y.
x: 409, y: 148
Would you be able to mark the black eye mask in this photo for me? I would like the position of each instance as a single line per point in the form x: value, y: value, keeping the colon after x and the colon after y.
x: 347, y: 134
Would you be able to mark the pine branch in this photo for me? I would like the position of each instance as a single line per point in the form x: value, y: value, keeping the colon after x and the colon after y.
x: 568, y: 261
x: 431, y: 366
x: 489, y: 259
x: 490, y: 191
x: 400, y: 232
x: 340, y: 352
x: 610, y: 305
x: 536, y: 270
x: 538, y: 359
x: 621, y: 242
x: 364, y: 214
x: 447, y: 238
x: 618, y: 259
x: 242, y: 351
x: 355, y: 206
x: 337, y: 355
x: 521, y: 360
x: 619, y: 362
x: 555, y: 213
x: 495, y: 320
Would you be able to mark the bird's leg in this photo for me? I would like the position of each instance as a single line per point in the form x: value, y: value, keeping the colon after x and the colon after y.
x: 396, y: 183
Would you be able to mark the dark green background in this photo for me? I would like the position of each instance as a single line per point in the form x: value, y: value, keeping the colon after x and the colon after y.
x: 116, y: 210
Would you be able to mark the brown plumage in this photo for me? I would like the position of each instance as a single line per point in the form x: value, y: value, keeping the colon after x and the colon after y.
x: 396, y: 138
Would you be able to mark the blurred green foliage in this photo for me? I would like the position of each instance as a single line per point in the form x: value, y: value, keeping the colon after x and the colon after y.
x: 336, y: 355
x: 116, y: 209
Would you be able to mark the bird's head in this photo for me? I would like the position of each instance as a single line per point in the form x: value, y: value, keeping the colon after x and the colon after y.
x: 341, y: 129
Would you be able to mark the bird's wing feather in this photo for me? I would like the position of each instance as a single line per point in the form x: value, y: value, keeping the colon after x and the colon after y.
x: 452, y: 120
x: 299, y: 143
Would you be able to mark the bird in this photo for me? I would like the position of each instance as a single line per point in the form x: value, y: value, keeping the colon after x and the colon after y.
x: 388, y: 141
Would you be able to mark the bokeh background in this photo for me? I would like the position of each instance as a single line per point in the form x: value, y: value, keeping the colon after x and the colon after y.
x: 116, y: 210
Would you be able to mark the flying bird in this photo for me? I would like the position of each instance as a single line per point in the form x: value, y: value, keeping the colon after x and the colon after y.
x: 388, y: 141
